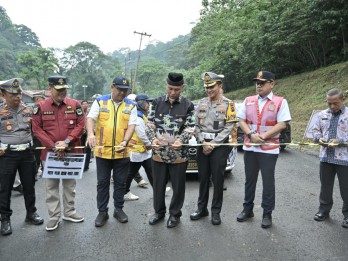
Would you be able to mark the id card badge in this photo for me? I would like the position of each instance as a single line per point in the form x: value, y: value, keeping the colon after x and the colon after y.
x: 216, y: 125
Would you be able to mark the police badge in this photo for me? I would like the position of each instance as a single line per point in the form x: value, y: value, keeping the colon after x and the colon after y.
x: 79, y: 111
x: 36, y: 109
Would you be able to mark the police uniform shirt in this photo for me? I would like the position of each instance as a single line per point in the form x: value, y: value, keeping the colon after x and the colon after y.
x: 15, y: 125
x: 95, y: 109
x: 215, y: 118
x: 283, y: 115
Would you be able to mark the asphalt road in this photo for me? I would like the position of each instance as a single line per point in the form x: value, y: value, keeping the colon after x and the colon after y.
x: 294, y: 235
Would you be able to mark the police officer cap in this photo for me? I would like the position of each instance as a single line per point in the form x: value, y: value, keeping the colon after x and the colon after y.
x: 264, y: 76
x: 121, y: 82
x: 175, y: 79
x: 12, y: 86
x: 210, y: 78
x: 142, y: 97
x: 58, y: 82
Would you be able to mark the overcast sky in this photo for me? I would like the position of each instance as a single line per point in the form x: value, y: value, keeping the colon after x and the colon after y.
x: 109, y: 24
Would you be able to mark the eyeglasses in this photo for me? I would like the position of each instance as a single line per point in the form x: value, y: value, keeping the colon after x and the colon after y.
x: 262, y: 83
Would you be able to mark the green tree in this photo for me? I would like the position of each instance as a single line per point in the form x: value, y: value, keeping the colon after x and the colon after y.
x: 85, y: 64
x: 37, y: 66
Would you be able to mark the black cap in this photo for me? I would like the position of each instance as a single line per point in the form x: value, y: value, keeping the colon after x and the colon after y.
x: 58, y: 82
x: 121, y: 82
x: 143, y: 97
x: 264, y: 76
x: 175, y: 79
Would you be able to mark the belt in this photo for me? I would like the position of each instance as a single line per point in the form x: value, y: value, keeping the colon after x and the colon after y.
x: 17, y: 146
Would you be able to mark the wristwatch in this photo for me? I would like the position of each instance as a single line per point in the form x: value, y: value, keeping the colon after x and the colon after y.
x: 250, y: 133
x: 67, y: 141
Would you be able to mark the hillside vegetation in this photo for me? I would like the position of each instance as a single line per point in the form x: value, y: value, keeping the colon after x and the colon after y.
x: 305, y: 92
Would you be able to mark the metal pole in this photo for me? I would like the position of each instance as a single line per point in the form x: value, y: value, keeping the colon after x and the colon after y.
x: 136, y: 68
x: 84, y: 91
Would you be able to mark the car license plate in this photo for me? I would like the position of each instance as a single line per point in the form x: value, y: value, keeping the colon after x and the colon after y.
x: 192, y: 165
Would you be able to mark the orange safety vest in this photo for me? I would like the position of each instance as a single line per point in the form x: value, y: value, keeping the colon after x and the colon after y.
x: 263, y: 121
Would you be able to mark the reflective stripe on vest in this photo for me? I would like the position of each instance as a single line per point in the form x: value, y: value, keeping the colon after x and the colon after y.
x: 111, y: 127
x: 263, y: 121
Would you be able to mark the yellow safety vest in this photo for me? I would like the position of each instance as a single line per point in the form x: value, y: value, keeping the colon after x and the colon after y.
x: 135, y: 140
x: 111, y: 127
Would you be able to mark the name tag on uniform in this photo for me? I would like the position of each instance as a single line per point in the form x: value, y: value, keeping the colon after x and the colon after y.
x: 104, y: 109
x: 48, y: 112
x: 250, y: 103
x: 69, y: 111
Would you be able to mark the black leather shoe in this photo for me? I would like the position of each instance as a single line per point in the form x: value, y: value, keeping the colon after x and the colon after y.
x: 34, y: 219
x: 199, y: 214
x: 101, y: 219
x: 266, y: 220
x: 19, y: 188
x: 6, y: 228
x: 120, y: 215
x: 173, y: 221
x: 320, y: 216
x: 155, y: 218
x: 345, y: 222
x: 243, y: 216
x: 216, y: 220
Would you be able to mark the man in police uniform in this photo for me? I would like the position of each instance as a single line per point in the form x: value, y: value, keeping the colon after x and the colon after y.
x: 262, y: 117
x: 170, y: 124
x: 15, y: 154
x: 58, y: 123
x: 113, y: 117
x: 215, y: 117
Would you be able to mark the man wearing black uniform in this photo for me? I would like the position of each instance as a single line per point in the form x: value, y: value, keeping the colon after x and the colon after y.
x: 170, y: 124
x: 15, y: 154
x: 215, y: 116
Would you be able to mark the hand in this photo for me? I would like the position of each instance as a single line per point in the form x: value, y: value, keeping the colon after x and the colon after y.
x: 61, y: 154
x: 176, y: 145
x: 333, y: 143
x: 60, y: 146
x: 121, y: 147
x: 207, y: 148
x: 91, y: 141
x: 256, y: 138
x: 323, y: 142
x: 155, y: 144
x: 2, y: 153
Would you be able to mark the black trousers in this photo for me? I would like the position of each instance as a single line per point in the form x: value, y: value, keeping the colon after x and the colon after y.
x: 177, y: 174
x: 133, y: 171
x: 86, y: 150
x: 138, y: 177
x: 212, y: 165
x: 328, y: 172
x: 253, y: 163
x: 10, y: 162
x: 120, y: 170
x: 37, y: 153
